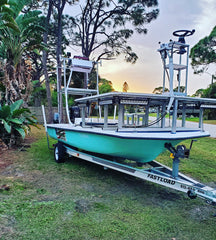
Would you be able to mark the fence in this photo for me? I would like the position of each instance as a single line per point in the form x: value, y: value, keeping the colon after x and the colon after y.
x: 37, y: 112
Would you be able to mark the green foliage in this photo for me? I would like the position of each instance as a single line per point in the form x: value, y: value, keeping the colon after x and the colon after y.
x: 55, y: 99
x: 6, y: 16
x: 105, y: 86
x: 38, y: 94
x: 15, y: 121
x: 16, y: 44
x: 198, y: 92
x: 203, y: 53
x: 181, y: 89
x: 106, y: 26
x: 159, y: 90
x: 210, y: 92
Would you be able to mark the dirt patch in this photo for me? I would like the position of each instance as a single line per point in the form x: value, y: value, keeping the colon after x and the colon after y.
x: 202, y: 213
x: 3, y: 146
x: 9, y: 156
x: 82, y: 205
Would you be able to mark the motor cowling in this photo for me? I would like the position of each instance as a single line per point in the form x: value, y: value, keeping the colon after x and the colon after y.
x: 74, y: 113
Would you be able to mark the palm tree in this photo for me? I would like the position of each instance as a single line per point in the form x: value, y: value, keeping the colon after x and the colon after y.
x: 6, y: 19
x: 16, y: 42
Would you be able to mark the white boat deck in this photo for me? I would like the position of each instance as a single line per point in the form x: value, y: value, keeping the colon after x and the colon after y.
x: 144, y: 133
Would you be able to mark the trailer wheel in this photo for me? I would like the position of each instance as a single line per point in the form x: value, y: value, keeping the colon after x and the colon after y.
x: 191, y: 194
x: 59, y: 153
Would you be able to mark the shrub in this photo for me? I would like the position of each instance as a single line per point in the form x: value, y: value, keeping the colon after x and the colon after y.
x: 15, y: 122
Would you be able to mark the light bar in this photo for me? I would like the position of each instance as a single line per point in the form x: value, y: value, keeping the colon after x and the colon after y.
x: 105, y: 102
x: 133, y: 102
x: 207, y: 106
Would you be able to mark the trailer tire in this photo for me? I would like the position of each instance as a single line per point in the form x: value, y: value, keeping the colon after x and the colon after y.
x: 59, y: 153
x: 191, y: 194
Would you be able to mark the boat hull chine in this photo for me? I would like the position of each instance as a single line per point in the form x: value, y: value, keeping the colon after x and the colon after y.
x: 138, y: 149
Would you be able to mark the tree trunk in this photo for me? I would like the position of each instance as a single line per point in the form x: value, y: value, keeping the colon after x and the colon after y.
x: 60, y: 7
x: 37, y: 95
x: 47, y: 81
x: 59, y: 76
x: 48, y: 91
x: 36, y: 77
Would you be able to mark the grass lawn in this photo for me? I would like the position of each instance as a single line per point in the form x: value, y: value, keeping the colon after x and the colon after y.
x: 205, y: 121
x: 77, y: 200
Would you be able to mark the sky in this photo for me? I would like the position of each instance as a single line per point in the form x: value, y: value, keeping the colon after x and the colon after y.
x: 146, y: 74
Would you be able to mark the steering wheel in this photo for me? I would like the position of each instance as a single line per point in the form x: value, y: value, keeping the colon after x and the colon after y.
x: 183, y: 33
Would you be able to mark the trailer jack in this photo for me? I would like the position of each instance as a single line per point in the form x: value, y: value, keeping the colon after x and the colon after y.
x: 176, y: 153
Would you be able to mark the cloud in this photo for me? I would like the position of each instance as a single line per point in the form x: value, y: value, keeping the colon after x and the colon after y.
x: 206, y: 20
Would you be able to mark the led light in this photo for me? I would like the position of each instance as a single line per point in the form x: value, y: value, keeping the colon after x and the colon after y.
x: 208, y: 106
x: 133, y: 102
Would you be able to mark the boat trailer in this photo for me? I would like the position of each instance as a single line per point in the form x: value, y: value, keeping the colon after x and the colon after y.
x: 156, y: 172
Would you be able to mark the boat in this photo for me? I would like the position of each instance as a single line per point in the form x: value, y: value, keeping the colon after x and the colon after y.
x: 133, y: 136
x: 142, y: 126
x: 126, y: 140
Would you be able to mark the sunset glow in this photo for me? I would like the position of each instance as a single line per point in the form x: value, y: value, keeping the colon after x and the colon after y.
x: 146, y: 74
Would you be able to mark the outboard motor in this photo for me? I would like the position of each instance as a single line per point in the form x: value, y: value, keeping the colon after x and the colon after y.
x: 74, y: 113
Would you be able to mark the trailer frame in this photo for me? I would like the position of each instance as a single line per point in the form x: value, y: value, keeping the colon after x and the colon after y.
x: 156, y: 172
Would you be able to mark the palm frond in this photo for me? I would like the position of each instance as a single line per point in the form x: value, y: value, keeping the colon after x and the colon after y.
x: 16, y: 105
x: 6, y: 126
x: 20, y: 130
x: 3, y: 2
x: 17, y: 6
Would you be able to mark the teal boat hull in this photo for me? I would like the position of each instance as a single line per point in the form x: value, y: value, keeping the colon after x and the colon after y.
x: 138, y: 149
